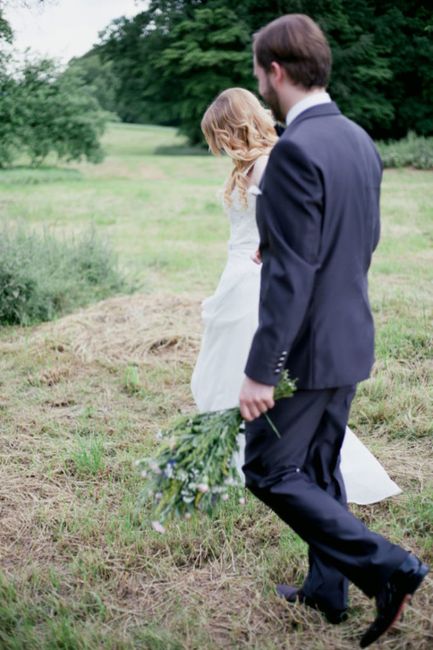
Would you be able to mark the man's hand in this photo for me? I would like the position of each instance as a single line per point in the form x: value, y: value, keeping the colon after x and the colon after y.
x: 256, y: 257
x: 255, y: 399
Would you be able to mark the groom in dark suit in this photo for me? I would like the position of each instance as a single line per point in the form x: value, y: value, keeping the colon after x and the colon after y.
x: 318, y: 218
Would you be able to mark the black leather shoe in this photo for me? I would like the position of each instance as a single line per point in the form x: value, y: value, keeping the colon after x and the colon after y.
x: 294, y: 595
x: 392, y: 598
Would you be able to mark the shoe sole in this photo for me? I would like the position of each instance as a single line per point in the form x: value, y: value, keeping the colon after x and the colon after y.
x: 406, y: 600
x: 398, y: 615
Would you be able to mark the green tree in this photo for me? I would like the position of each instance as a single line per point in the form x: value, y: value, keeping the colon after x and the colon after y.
x: 5, y: 30
x: 45, y: 112
x: 6, y: 33
x: 173, y: 58
x: 208, y: 53
x: 98, y: 77
x: 132, y: 46
x: 406, y: 28
x: 10, y: 121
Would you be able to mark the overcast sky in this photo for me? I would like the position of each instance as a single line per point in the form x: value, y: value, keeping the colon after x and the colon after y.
x: 65, y: 28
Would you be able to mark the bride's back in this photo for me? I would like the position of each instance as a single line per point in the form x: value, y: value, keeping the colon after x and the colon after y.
x: 241, y: 212
x: 244, y: 235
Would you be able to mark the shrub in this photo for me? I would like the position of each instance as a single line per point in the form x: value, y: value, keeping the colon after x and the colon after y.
x: 412, y: 151
x: 42, y: 276
x: 44, y: 111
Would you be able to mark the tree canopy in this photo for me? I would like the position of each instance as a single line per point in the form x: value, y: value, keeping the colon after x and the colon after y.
x: 46, y: 111
x: 172, y: 59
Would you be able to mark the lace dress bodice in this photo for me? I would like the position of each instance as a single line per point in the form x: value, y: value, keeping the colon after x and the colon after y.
x: 244, y: 235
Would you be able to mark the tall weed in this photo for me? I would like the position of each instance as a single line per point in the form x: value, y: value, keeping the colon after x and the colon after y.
x: 412, y: 151
x: 42, y: 276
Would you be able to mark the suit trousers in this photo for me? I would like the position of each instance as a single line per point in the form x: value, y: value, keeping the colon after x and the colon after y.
x: 298, y: 476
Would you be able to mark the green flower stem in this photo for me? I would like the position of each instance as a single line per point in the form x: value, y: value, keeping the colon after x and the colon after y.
x: 195, y: 468
x: 272, y: 425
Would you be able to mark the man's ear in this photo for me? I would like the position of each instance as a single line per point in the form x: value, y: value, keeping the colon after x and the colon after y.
x: 277, y: 72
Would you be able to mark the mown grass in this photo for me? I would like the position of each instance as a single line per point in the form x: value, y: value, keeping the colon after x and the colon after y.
x: 80, y: 567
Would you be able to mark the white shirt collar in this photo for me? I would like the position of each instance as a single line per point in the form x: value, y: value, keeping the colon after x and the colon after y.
x: 309, y: 101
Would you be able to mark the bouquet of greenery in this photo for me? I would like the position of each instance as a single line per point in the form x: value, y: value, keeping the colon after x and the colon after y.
x: 195, y: 468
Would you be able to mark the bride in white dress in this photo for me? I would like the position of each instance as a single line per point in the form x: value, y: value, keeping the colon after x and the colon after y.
x: 238, y: 124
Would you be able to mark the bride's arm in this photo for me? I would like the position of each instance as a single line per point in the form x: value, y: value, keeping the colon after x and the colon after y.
x: 256, y: 176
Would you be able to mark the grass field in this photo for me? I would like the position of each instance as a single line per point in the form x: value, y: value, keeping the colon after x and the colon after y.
x: 81, y: 398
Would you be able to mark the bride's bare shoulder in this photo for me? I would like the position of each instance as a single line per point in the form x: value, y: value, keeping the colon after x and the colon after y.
x: 258, y: 169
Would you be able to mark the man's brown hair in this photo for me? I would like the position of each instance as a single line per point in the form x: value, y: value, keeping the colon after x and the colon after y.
x: 298, y: 44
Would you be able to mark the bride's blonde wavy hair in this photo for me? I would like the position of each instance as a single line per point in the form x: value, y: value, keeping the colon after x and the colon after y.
x: 239, y: 125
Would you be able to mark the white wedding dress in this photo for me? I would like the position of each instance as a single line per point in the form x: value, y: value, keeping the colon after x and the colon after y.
x: 230, y: 318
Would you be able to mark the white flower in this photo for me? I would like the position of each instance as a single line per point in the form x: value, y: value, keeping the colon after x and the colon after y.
x: 203, y: 488
x: 156, y: 525
x: 155, y: 467
x: 144, y: 474
x: 158, y: 496
x: 187, y: 515
x: 242, y: 501
x: 225, y: 497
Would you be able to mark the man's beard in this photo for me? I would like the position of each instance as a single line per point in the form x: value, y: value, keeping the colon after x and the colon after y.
x: 272, y: 100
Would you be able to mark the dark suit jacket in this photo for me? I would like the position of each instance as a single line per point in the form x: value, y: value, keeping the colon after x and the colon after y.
x: 318, y: 218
